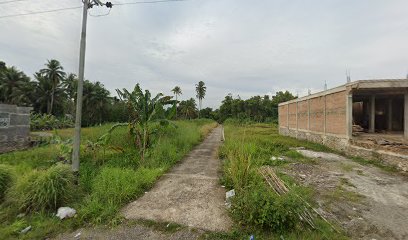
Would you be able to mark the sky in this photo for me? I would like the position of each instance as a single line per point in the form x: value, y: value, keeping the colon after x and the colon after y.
x: 246, y: 48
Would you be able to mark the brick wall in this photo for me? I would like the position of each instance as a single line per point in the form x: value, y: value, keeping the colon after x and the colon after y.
x: 334, y: 119
x: 336, y: 113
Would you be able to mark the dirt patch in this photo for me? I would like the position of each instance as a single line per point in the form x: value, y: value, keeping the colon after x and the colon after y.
x: 190, y: 194
x: 366, y: 201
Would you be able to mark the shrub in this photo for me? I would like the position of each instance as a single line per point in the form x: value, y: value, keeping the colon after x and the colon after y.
x: 45, y: 190
x: 259, y: 206
x: 6, y: 179
x: 48, y: 122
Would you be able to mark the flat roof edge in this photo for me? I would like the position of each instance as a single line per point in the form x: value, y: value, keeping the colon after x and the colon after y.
x: 359, y: 84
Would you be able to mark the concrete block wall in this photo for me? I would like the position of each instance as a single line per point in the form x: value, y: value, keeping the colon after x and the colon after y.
x: 14, y: 127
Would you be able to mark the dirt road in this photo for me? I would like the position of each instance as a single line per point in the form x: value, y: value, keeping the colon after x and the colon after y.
x: 369, y: 203
x: 190, y: 193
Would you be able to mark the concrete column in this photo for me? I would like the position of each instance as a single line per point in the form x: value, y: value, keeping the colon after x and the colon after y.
x: 406, y: 116
x: 325, y: 114
x: 287, y: 114
x: 349, y: 115
x: 372, y: 115
x: 389, y: 122
x: 308, y: 114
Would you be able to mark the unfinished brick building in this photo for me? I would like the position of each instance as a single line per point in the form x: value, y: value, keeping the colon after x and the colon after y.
x: 368, y: 118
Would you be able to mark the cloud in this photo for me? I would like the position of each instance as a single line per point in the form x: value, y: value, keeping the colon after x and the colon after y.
x: 240, y: 47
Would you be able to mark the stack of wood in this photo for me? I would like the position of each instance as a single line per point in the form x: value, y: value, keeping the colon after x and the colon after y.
x: 281, y: 188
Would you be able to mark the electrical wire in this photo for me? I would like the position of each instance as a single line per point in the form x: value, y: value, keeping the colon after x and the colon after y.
x: 70, y: 8
x: 11, y: 1
x: 144, y: 2
x: 40, y: 12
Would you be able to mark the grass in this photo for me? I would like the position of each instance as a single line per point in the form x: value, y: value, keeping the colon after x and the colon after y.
x: 107, y: 180
x: 256, y: 209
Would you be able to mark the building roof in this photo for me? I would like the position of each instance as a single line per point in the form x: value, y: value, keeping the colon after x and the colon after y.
x: 359, y: 84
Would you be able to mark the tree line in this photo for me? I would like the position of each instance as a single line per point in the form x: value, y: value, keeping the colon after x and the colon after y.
x: 52, y: 91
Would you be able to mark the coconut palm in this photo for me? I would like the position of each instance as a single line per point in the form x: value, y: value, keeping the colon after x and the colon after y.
x: 177, y: 92
x: 188, y: 108
x: 55, y: 74
x: 15, y: 87
x: 200, y: 89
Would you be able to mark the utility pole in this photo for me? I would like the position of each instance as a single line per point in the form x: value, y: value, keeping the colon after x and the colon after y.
x: 78, y: 113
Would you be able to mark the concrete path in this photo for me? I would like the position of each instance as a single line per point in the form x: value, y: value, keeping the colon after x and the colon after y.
x: 190, y: 193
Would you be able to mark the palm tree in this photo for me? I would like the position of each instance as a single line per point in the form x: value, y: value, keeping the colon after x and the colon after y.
x: 188, y: 108
x: 43, y: 92
x: 15, y: 87
x: 177, y: 92
x: 200, y: 89
x: 55, y: 74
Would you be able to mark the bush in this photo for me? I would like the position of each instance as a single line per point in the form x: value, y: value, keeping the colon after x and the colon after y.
x: 259, y: 206
x: 45, y: 190
x: 41, y: 122
x: 6, y: 179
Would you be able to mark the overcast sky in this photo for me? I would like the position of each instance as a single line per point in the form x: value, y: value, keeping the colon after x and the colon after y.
x: 246, y: 48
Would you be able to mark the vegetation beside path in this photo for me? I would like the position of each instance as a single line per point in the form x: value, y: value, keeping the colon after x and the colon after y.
x: 256, y: 208
x: 110, y: 177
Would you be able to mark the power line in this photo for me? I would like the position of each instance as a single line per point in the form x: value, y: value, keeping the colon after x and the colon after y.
x: 40, y: 12
x: 11, y: 1
x: 144, y: 2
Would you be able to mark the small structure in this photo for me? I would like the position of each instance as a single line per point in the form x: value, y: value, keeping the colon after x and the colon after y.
x: 14, y: 127
x: 368, y: 118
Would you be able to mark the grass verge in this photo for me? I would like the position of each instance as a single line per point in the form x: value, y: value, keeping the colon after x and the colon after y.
x: 108, y: 179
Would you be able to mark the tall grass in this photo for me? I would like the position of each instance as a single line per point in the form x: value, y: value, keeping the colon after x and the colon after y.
x: 43, y: 190
x: 106, y: 182
x: 6, y: 179
x: 248, y: 147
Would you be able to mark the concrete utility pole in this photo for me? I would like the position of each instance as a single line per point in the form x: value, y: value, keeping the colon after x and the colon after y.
x: 78, y: 114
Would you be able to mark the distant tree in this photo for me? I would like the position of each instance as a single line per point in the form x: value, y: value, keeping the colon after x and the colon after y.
x: 201, y: 90
x: 15, y: 87
x: 44, y: 92
x: 54, y: 73
x: 188, y: 108
x: 206, y: 112
x: 177, y: 92
x: 281, y: 97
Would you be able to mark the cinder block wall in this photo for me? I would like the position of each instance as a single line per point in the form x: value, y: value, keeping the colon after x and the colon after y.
x: 323, y: 114
x: 14, y: 127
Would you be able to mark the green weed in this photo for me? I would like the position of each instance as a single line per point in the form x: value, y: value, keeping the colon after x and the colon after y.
x: 6, y: 179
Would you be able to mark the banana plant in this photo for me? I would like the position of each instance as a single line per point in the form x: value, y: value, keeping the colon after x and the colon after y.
x: 143, y: 112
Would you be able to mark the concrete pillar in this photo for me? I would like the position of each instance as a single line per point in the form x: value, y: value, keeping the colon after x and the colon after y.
x: 297, y: 118
x: 308, y: 114
x: 372, y: 114
x: 324, y: 115
x: 406, y: 116
x: 287, y: 114
x: 349, y: 115
x: 389, y: 121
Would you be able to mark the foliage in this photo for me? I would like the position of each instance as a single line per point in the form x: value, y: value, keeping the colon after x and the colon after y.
x: 44, y: 189
x: 6, y: 179
x: 53, y: 91
x: 188, y: 108
x: 40, y: 122
x: 200, y: 90
x: 143, y: 111
x: 257, y: 108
